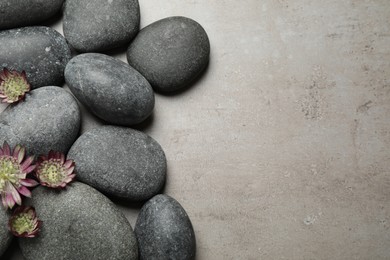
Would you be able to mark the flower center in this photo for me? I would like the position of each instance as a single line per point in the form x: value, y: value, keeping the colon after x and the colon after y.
x: 14, y: 87
x: 52, y: 172
x: 9, y: 172
x: 23, y: 222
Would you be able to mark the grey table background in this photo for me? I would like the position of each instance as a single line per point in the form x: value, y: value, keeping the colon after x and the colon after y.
x: 281, y: 149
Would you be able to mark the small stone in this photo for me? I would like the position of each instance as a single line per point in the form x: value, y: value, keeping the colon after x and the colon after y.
x: 170, y: 53
x: 78, y: 223
x: 164, y: 230
x: 99, y: 25
x: 40, y: 51
x: 120, y: 162
x: 5, y: 235
x: 110, y: 88
x: 48, y: 119
x: 18, y: 13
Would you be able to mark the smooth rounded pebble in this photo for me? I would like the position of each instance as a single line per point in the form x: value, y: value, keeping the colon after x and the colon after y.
x: 40, y: 51
x: 92, y: 26
x: 48, y: 119
x: 78, y: 223
x: 110, y: 88
x: 164, y: 230
x: 5, y: 235
x: 18, y: 13
x: 170, y: 53
x: 120, y: 162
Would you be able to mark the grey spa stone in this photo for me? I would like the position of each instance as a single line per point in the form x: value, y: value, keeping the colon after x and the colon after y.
x: 170, y: 53
x: 40, y: 51
x: 164, y: 230
x: 120, y: 162
x: 5, y: 235
x: 48, y: 119
x: 18, y: 13
x: 110, y: 88
x: 78, y: 222
x: 92, y: 26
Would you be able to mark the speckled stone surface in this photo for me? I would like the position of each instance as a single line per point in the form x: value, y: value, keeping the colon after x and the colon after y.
x: 41, y: 51
x: 110, y: 88
x: 164, y: 230
x: 79, y: 223
x: 101, y: 24
x: 120, y: 162
x: 18, y: 13
x: 5, y: 235
x: 49, y: 118
x: 170, y: 53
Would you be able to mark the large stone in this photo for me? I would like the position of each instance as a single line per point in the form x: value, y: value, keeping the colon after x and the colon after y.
x: 40, y: 51
x: 170, y: 53
x: 18, y: 13
x: 78, y: 223
x: 120, y: 162
x: 48, y: 119
x: 100, y: 25
x: 164, y: 230
x: 5, y: 235
x: 110, y: 88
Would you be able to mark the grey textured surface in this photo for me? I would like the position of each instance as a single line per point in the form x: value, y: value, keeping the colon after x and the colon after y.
x: 48, y: 119
x: 110, y: 88
x: 5, y: 235
x: 18, y: 13
x: 78, y: 223
x: 40, y: 51
x: 170, y: 53
x: 91, y: 26
x: 164, y: 230
x: 120, y: 161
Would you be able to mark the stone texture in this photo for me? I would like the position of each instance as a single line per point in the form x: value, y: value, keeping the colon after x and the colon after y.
x: 78, y: 223
x: 164, y: 230
x: 170, y: 53
x: 5, y: 235
x: 41, y: 51
x: 120, y: 162
x: 100, y: 25
x: 48, y: 119
x: 110, y: 88
x: 18, y: 13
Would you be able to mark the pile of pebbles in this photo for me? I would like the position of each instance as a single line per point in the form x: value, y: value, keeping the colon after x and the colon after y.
x: 115, y: 160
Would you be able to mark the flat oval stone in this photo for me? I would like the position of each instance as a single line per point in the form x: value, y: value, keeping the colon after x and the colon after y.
x: 120, y: 162
x: 5, y: 235
x: 48, y: 119
x: 170, y: 53
x: 78, y: 223
x: 18, y: 13
x: 164, y: 230
x: 40, y: 51
x: 99, y: 25
x: 110, y: 88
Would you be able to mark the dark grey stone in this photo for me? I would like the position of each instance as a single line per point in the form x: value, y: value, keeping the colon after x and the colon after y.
x: 120, y: 162
x: 41, y: 51
x: 78, y: 223
x: 5, y: 235
x: 48, y: 119
x: 170, y: 53
x: 110, y: 88
x: 99, y: 25
x: 18, y: 13
x: 164, y: 230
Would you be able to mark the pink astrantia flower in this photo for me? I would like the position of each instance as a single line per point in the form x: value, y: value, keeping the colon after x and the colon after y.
x: 24, y: 222
x: 13, y: 85
x: 13, y: 173
x: 55, y: 171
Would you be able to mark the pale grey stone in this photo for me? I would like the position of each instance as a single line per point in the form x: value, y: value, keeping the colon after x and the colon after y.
x: 5, y: 235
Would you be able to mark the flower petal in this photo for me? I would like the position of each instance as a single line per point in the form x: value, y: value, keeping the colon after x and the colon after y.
x: 29, y: 182
x: 6, y: 149
x: 24, y: 191
x: 21, y: 154
x: 27, y: 162
x: 30, y: 169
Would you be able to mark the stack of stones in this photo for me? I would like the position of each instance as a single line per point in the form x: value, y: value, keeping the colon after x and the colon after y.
x: 115, y: 160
